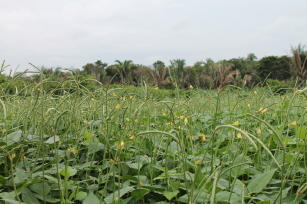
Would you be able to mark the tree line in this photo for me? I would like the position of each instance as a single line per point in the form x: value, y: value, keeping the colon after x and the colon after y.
x: 208, y: 74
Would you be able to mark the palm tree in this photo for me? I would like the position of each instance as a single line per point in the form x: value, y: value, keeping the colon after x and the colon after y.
x: 160, y: 72
x: 96, y: 69
x: 176, y: 70
x: 125, y: 69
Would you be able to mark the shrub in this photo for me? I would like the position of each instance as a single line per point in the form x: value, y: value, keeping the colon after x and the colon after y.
x: 278, y: 87
x: 166, y: 84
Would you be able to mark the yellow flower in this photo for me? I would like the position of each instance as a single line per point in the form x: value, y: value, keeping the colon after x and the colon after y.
x: 156, y: 88
x: 117, y: 106
x: 263, y: 110
x: 132, y: 97
x: 259, y: 131
x: 127, y: 119
x: 92, y: 99
x: 255, y: 92
x: 249, y: 105
x: 239, y: 135
x: 198, y: 161
x: 12, y: 156
x: 72, y: 150
x: 185, y: 121
x: 114, y: 94
x: 121, y: 144
x: 182, y: 117
x: 236, y: 123
x: 131, y: 137
x: 293, y: 123
x: 190, y: 87
x: 202, y: 137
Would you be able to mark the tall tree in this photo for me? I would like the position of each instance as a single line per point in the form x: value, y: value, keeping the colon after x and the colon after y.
x: 96, y: 69
x: 176, y: 70
x: 274, y: 67
x: 125, y: 69
x: 159, y: 74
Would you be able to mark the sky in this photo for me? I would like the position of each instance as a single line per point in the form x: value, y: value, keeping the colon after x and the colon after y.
x: 71, y: 33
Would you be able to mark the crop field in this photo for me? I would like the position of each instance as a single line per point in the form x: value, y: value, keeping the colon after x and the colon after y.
x: 122, y: 144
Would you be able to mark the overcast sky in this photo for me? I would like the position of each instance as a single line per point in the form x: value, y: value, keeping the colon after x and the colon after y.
x: 72, y: 33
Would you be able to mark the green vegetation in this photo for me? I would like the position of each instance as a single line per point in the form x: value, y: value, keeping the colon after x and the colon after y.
x: 208, y: 74
x: 232, y: 131
x: 124, y: 144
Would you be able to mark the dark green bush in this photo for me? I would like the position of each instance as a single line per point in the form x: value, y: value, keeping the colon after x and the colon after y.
x: 277, y: 87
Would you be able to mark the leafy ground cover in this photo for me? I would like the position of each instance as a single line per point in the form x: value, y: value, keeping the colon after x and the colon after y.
x: 144, y: 145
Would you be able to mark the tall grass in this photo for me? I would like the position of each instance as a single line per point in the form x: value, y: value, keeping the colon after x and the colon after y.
x: 142, y: 145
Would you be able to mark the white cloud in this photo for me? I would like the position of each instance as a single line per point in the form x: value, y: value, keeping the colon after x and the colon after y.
x: 74, y: 32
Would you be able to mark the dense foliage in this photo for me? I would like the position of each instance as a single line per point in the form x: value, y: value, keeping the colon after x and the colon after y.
x: 144, y: 145
x: 242, y: 72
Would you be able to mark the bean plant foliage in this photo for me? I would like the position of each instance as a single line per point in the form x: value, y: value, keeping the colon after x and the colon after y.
x: 121, y: 144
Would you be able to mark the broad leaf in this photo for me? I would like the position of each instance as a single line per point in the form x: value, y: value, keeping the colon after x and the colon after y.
x: 91, y: 199
x: 20, y: 175
x: 81, y: 195
x: 140, y: 193
x: 260, y: 181
x: 28, y: 197
x: 40, y: 188
x: 52, y: 140
x: 95, y: 147
x: 225, y: 196
x: 170, y: 194
x: 118, y: 194
x: 13, y: 137
x: 68, y: 172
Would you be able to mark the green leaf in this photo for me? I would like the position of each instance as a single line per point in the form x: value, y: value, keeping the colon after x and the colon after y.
x: 224, y: 196
x: 81, y: 195
x: 9, y: 197
x: 40, y: 188
x: 170, y: 194
x: 135, y: 166
x: 91, y: 199
x: 13, y: 137
x: 118, y: 194
x: 169, y: 174
x: 20, y: 175
x: 68, y: 172
x: 260, y: 181
x: 28, y: 197
x: 301, y: 132
x: 140, y: 193
x: 52, y: 140
x: 95, y: 147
